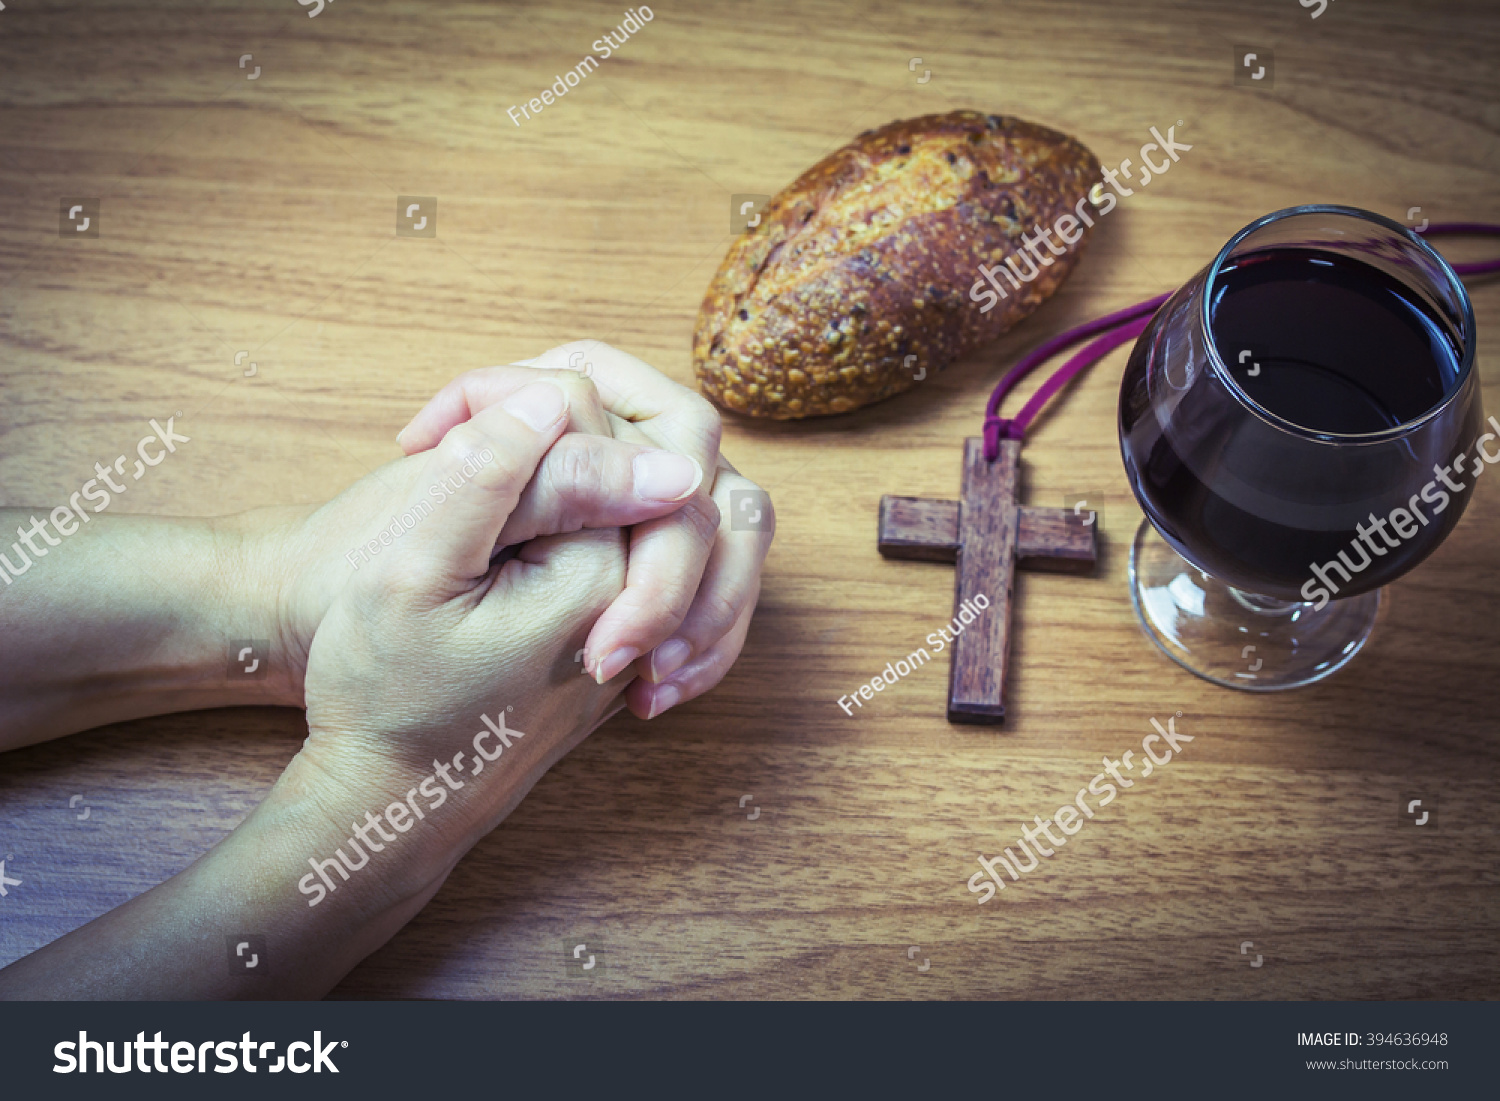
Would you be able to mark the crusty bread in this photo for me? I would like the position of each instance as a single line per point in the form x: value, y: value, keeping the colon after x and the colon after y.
x: 859, y: 276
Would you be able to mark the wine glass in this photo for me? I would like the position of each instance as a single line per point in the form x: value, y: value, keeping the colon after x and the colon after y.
x: 1300, y: 424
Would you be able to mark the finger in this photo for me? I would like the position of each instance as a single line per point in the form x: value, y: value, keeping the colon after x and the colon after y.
x: 632, y: 389
x: 730, y: 581
x: 476, y: 477
x: 647, y: 700
x: 566, y: 581
x: 665, y: 565
x: 590, y: 481
x: 667, y: 556
x: 474, y: 391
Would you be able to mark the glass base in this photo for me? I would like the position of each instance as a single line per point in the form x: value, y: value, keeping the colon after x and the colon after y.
x: 1238, y: 639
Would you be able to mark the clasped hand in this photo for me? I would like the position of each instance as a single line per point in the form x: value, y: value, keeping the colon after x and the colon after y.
x: 543, y: 522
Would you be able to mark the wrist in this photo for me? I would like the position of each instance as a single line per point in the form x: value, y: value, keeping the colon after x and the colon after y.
x: 261, y: 878
x: 358, y: 841
x: 256, y: 563
x: 404, y: 807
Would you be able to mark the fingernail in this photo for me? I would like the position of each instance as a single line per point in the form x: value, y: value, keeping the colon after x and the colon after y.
x: 665, y: 476
x: 667, y: 696
x: 669, y: 657
x: 611, y: 666
x: 539, y: 404
x: 401, y: 433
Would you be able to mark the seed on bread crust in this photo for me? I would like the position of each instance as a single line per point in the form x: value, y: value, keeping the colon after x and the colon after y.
x: 867, y: 259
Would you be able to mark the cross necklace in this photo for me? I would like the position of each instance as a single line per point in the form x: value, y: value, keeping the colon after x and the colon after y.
x: 988, y: 534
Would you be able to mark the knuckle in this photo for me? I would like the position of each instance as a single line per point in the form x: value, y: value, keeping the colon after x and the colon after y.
x: 720, y: 612
x: 462, y: 441
x: 702, y: 417
x: 702, y: 517
x: 705, y: 673
x: 499, y: 475
x: 582, y: 395
x: 701, y: 409
x: 466, y: 454
x: 579, y: 470
x: 580, y: 389
x: 655, y: 614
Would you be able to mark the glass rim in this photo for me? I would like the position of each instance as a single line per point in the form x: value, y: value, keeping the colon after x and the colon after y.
x: 1218, y: 367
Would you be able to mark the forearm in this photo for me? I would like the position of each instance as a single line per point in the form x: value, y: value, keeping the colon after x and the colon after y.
x: 347, y: 847
x: 178, y: 940
x: 132, y: 616
x: 344, y: 851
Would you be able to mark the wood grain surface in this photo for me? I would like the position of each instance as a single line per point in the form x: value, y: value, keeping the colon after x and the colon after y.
x: 259, y: 216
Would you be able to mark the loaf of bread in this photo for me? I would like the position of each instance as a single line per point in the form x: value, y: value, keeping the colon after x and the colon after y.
x: 865, y: 274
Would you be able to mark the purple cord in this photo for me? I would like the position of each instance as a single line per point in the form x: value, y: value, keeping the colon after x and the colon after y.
x: 996, y: 427
x: 1131, y: 326
x: 1483, y: 267
x: 1128, y: 324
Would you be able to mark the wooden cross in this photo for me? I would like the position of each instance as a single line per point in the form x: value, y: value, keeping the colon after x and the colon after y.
x: 988, y: 534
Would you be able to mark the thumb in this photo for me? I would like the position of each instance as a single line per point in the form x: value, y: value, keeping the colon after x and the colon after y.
x: 472, y: 482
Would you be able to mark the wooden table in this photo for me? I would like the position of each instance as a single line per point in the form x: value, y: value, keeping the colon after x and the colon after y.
x: 258, y: 216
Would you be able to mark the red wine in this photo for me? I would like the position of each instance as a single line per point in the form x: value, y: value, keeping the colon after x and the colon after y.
x: 1336, y: 347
